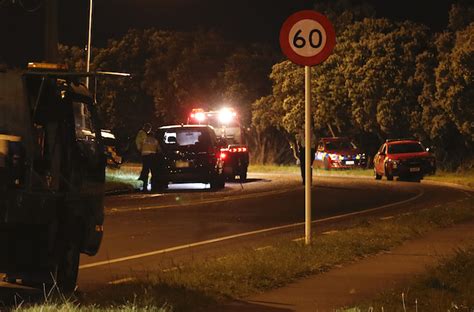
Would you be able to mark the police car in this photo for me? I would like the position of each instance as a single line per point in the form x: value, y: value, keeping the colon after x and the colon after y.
x: 339, y: 153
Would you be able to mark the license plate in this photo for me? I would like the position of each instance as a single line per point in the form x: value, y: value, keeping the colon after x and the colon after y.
x: 349, y: 162
x: 182, y: 164
x: 415, y: 169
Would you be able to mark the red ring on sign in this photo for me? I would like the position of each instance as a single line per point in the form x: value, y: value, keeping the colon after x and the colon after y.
x: 285, y: 42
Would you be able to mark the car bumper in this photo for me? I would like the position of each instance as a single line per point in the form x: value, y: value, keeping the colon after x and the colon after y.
x: 413, y: 170
x: 351, y: 164
x: 189, y: 176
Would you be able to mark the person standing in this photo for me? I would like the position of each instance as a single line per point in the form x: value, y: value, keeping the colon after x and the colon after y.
x: 302, y: 151
x: 147, y: 145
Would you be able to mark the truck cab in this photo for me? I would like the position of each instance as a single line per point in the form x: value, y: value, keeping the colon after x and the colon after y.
x: 234, y: 151
x: 52, y: 175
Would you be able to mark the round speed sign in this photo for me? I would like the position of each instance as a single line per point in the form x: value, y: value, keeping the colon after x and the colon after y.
x: 307, y: 38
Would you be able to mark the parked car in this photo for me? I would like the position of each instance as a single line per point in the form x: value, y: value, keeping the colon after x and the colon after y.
x: 191, y: 154
x: 404, y: 158
x: 339, y: 153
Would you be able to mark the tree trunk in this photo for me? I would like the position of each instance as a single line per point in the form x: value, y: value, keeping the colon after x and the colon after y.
x: 331, y: 130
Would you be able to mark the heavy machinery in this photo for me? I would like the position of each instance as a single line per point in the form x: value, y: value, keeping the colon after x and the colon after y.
x: 228, y: 129
x: 52, y: 173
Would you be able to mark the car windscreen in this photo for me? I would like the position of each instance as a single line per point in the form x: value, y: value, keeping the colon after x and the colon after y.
x: 403, y: 148
x: 339, y: 145
x: 187, y: 137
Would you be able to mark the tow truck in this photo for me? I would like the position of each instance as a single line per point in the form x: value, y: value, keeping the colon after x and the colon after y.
x: 52, y: 175
x: 234, y: 151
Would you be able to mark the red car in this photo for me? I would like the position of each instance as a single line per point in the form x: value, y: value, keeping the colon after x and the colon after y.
x: 403, y: 158
x: 338, y: 153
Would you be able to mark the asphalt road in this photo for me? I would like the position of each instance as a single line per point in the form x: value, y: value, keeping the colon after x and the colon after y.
x: 144, y: 232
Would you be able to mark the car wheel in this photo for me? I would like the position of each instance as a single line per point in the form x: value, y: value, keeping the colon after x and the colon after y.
x: 388, y: 174
x: 217, y: 182
x: 67, y: 268
x: 377, y: 176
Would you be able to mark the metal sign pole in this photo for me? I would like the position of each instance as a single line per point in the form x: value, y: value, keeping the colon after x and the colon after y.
x: 307, y: 135
x: 89, y: 38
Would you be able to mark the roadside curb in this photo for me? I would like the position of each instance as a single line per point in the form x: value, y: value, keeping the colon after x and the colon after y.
x: 120, y: 192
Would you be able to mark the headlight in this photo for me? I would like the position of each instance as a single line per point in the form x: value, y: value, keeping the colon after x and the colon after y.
x: 334, y: 156
x: 394, y: 163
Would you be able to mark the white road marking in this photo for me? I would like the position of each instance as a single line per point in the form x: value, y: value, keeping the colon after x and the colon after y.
x: 298, y: 239
x: 170, y: 269
x: 263, y: 248
x: 330, y: 232
x: 122, y: 280
x: 387, y: 218
x: 224, y: 238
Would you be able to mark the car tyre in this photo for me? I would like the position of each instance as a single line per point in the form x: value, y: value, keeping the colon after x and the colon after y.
x: 388, y: 175
x: 217, y: 182
x: 377, y: 176
x: 66, y: 271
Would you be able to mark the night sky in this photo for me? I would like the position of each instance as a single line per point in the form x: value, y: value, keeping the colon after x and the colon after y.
x: 243, y: 20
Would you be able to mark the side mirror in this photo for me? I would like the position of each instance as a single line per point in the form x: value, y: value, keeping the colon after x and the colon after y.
x: 172, y: 140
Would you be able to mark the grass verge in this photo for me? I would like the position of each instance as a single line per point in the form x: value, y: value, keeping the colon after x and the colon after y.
x: 203, y: 284
x: 463, y: 178
x: 122, y: 179
x: 447, y: 287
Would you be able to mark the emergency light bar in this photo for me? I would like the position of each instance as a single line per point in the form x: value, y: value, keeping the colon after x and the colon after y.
x: 226, y: 115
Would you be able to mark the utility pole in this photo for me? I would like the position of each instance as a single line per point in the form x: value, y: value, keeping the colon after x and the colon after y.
x: 51, y: 53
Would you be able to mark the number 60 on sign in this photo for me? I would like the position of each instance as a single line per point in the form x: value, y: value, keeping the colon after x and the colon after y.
x: 307, y: 38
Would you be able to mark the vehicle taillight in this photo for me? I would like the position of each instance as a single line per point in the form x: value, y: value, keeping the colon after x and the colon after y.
x: 238, y: 150
x: 222, y: 156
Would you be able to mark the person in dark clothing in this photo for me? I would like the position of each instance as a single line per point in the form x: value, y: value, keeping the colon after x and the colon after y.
x: 302, y: 161
x: 301, y: 155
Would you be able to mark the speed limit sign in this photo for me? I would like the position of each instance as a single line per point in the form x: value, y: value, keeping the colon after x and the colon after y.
x: 307, y: 38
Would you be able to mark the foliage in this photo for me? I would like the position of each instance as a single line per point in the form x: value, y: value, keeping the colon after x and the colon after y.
x: 384, y: 80
x: 172, y: 72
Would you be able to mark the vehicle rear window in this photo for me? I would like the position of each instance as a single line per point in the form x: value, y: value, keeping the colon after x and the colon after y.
x: 187, y: 137
x: 403, y: 148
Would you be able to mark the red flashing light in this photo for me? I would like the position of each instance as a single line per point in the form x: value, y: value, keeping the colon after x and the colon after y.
x: 222, y: 156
